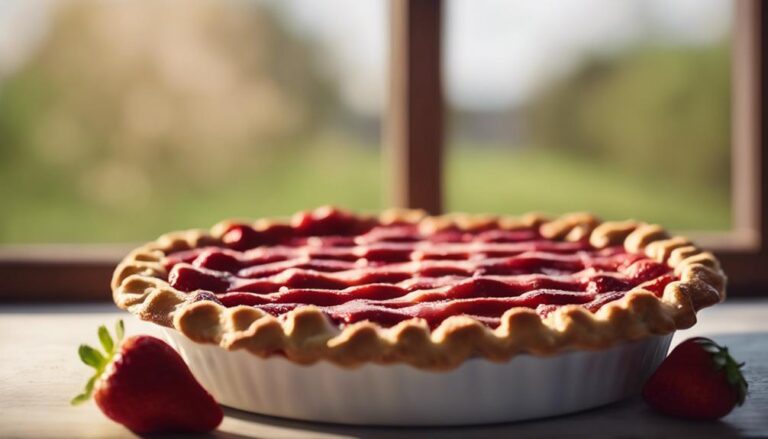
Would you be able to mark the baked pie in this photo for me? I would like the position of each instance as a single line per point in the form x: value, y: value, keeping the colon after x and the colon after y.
x: 429, y: 291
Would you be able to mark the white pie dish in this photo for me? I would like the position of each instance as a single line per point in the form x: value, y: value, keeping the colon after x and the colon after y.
x: 477, y: 392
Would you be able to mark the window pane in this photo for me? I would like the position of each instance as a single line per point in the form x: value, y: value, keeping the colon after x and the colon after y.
x: 123, y: 120
x: 617, y: 107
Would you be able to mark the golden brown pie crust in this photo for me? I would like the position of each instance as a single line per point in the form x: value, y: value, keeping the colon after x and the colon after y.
x: 305, y: 335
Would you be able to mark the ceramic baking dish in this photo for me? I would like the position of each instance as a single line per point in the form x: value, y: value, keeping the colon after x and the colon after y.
x: 477, y: 392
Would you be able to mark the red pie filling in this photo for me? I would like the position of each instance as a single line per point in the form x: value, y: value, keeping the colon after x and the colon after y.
x: 358, y: 269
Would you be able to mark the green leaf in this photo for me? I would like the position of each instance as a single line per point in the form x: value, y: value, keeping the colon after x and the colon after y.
x: 119, y: 331
x: 106, y: 340
x: 98, y: 360
x: 86, y: 395
x: 91, y: 356
x: 79, y: 399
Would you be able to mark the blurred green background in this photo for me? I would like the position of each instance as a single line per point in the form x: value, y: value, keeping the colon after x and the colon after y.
x: 123, y: 120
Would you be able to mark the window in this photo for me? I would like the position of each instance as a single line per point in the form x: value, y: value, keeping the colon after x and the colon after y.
x: 414, y: 130
x: 619, y: 108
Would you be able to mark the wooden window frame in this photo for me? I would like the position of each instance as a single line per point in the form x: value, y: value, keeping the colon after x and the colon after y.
x: 415, y: 143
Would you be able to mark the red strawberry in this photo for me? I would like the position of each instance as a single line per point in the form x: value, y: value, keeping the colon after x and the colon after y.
x: 144, y: 384
x: 698, y: 380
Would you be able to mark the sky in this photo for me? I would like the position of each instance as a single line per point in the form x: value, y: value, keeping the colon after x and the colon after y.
x: 496, y: 52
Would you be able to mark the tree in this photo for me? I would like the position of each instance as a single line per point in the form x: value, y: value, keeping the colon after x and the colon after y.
x: 655, y: 110
x: 122, y: 97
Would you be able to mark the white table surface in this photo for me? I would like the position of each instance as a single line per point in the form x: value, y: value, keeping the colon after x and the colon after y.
x: 40, y: 372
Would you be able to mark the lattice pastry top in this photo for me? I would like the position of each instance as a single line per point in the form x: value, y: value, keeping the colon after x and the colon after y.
x: 406, y: 287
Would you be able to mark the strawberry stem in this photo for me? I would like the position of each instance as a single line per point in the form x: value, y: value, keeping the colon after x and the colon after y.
x: 98, y: 360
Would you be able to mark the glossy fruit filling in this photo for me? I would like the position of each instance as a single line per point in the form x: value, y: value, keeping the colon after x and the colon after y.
x: 357, y: 269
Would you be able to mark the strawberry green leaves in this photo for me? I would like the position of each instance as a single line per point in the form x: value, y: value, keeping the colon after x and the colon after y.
x: 86, y: 395
x: 723, y: 360
x: 119, y: 331
x: 98, y: 360
x: 105, y: 339
x: 91, y: 356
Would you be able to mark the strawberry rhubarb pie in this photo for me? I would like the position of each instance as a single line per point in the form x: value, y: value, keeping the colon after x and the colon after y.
x: 404, y: 318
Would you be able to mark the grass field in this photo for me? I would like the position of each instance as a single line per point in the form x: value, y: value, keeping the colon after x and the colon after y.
x: 45, y: 208
x: 488, y: 180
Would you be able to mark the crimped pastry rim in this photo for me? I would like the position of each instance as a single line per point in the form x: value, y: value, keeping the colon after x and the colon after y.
x: 305, y: 335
